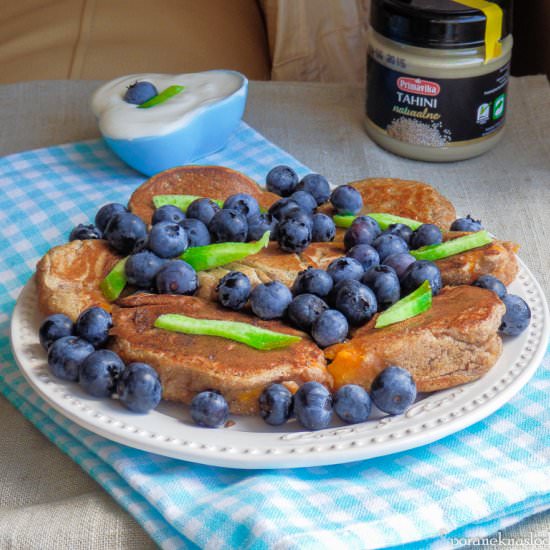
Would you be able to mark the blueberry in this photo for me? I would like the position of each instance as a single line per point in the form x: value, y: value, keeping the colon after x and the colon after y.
x: 228, y: 226
x: 99, y: 372
x: 203, y: 210
x: 233, y: 290
x: 54, y: 327
x: 323, y: 230
x: 305, y: 201
x: 167, y: 239
x: 313, y: 406
x: 281, y: 180
x: 126, y: 233
x: 393, y: 391
x: 389, y: 244
x: 331, y: 327
x: 168, y: 213
x: 517, y: 315
x: 259, y: 224
x: 282, y: 207
x: 293, y: 235
x: 243, y: 203
x: 356, y: 301
x: 141, y: 268
x: 139, y: 92
x: 106, y: 212
x: 305, y: 309
x: 418, y: 272
x: 299, y: 216
x: 345, y: 268
x: 270, y: 300
x: 363, y: 230
x: 83, y: 232
x: 426, y: 234
x: 384, y: 282
x: 365, y: 254
x: 93, y: 325
x: 176, y: 277
x: 313, y: 281
x: 65, y: 356
x: 315, y: 185
x: 346, y: 200
x: 466, y: 224
x: 401, y: 230
x: 491, y: 283
x: 276, y: 404
x: 197, y: 232
x: 400, y: 262
x: 352, y: 404
x: 139, y: 387
x: 209, y: 409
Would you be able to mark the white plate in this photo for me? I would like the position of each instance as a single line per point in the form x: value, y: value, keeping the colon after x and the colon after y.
x: 250, y: 443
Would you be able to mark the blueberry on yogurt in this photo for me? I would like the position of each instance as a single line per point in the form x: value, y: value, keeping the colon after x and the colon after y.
x: 139, y: 92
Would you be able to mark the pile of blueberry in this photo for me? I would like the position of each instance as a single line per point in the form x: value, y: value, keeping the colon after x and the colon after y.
x: 75, y: 353
x: 375, y: 273
x: 393, y: 391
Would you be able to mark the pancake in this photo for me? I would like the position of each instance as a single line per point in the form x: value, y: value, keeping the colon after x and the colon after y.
x: 214, y: 182
x: 68, y: 277
x: 188, y: 364
x: 406, y: 198
x: 454, y: 342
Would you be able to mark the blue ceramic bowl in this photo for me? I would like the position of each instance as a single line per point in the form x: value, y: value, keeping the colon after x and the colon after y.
x: 203, y: 130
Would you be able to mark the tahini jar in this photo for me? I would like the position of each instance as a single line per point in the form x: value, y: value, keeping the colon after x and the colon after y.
x: 437, y: 76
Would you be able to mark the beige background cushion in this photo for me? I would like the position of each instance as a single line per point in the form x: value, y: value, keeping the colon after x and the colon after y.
x: 102, y: 39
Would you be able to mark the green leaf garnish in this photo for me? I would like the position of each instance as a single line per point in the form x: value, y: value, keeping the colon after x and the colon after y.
x: 434, y: 252
x: 181, y: 201
x: 115, y: 281
x: 415, y: 303
x: 255, y: 337
x: 171, y: 91
x: 384, y: 220
x: 215, y: 255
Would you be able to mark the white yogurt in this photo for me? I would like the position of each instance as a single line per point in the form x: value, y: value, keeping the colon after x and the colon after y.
x: 120, y: 120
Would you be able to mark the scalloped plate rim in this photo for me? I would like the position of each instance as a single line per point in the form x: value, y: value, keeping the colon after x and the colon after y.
x: 166, y: 432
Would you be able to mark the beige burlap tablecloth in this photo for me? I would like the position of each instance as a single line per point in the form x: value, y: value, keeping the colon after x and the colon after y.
x: 46, y: 501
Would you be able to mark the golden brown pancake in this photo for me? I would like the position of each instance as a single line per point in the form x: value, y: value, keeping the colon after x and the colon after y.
x: 497, y: 259
x: 68, y: 277
x: 406, y: 198
x: 214, y: 182
x: 188, y: 364
x: 454, y: 342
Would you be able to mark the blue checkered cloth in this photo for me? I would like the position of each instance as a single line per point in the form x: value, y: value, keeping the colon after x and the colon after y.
x: 470, y: 484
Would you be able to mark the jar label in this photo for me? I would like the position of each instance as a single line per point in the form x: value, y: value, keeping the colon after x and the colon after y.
x: 435, y: 112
